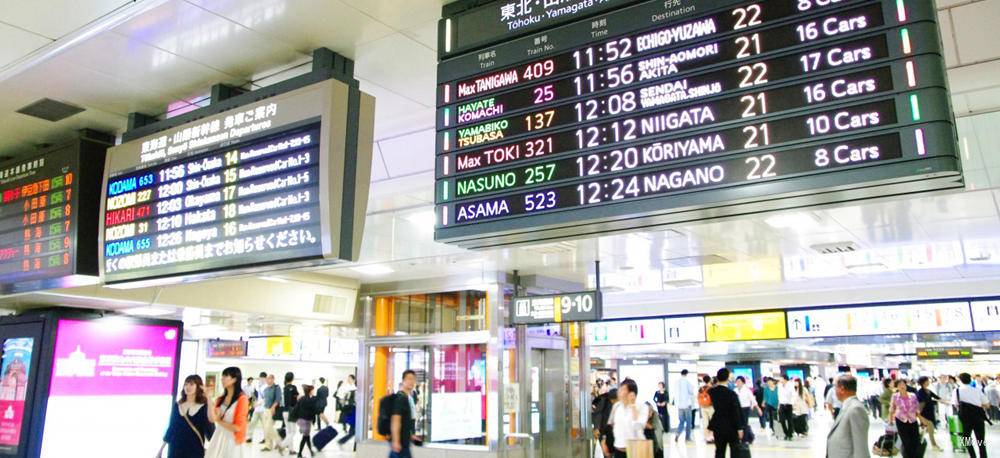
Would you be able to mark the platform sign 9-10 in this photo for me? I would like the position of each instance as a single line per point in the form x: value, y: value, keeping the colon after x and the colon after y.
x: 660, y: 112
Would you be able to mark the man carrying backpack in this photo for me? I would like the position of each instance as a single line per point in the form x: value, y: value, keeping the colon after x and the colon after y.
x: 395, y: 417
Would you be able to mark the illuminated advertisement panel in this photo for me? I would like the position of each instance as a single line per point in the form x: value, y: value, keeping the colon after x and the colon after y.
x: 110, y: 378
x: 15, y: 366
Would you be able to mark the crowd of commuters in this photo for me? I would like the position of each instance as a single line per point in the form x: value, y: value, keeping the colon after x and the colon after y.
x: 224, y: 427
x: 913, y: 412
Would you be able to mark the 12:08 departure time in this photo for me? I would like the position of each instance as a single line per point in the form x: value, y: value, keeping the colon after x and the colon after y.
x: 658, y: 66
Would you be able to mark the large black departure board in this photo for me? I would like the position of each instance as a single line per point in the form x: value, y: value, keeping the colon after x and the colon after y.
x: 643, y: 114
x: 281, y: 182
x: 48, y: 227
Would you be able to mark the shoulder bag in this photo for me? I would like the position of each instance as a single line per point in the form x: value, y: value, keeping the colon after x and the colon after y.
x: 201, y: 439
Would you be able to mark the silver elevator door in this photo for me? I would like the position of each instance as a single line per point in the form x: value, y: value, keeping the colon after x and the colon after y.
x: 548, y: 403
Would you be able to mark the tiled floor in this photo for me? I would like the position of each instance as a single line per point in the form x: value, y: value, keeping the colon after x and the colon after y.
x: 766, y: 446
x: 332, y: 450
x: 814, y: 445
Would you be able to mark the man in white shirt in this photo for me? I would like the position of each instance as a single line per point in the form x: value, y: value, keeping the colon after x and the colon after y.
x: 785, y: 396
x: 684, y: 401
x: 628, y: 418
x: 259, y: 410
x: 747, y: 400
x: 833, y: 404
x: 993, y: 395
x: 945, y: 389
x: 972, y: 405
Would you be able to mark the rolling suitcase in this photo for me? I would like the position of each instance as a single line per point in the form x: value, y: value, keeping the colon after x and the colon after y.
x: 885, y: 445
x: 955, y: 433
x: 324, y: 437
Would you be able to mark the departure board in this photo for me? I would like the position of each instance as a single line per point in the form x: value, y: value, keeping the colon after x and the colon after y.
x: 42, y: 243
x: 259, y: 187
x: 37, y: 218
x: 656, y: 112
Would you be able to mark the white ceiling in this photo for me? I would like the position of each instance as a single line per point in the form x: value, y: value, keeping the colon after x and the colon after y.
x: 114, y: 57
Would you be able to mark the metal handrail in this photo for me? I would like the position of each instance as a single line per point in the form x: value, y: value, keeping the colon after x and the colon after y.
x: 531, y: 441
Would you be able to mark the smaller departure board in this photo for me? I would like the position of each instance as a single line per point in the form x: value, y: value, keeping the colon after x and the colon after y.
x: 48, y: 228
x: 274, y: 183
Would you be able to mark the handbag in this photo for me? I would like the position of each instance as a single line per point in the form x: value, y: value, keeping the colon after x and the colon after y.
x: 639, y: 448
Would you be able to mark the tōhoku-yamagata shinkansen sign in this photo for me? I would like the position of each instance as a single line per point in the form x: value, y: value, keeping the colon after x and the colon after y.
x: 639, y: 114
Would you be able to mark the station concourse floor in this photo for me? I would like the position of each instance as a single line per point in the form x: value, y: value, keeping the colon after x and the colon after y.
x: 765, y: 446
x: 814, y: 445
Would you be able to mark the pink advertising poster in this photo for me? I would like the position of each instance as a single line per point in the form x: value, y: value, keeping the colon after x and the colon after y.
x: 113, y: 358
x: 122, y: 374
x: 14, y: 366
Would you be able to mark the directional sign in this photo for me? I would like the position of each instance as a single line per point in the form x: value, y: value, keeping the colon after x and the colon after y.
x: 557, y: 308
x: 684, y: 329
x: 882, y: 319
x: 986, y: 315
x: 631, y: 332
x: 745, y: 326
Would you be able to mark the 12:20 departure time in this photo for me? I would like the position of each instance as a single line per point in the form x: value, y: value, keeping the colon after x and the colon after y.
x: 727, y: 172
x: 701, y: 146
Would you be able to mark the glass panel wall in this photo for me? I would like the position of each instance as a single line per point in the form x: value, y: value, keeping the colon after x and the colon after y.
x: 439, y: 336
x: 418, y: 314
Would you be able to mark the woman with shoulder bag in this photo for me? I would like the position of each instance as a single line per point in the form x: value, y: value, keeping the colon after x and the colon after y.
x: 801, y: 406
x: 905, y: 409
x: 189, y: 426
x: 229, y: 413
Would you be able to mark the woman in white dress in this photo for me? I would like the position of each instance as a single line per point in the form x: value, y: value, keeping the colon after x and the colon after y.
x: 229, y: 413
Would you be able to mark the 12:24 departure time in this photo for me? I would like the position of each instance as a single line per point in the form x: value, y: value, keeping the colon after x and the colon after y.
x: 741, y: 170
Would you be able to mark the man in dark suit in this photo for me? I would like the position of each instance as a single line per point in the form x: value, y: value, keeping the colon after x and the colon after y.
x: 322, y: 396
x: 727, y: 423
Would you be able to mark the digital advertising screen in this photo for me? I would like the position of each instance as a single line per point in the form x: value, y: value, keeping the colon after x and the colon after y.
x: 653, y: 108
x: 111, y: 388
x: 746, y: 372
x: 15, y: 366
x: 795, y: 374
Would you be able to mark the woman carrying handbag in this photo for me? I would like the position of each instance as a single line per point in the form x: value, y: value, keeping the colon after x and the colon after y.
x: 904, y: 409
x: 229, y: 413
x: 189, y: 427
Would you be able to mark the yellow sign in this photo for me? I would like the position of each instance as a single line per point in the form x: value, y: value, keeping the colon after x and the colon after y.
x: 745, y: 326
x: 279, y: 346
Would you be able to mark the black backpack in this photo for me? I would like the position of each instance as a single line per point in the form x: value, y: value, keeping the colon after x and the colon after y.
x: 603, y: 411
x: 384, y: 423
